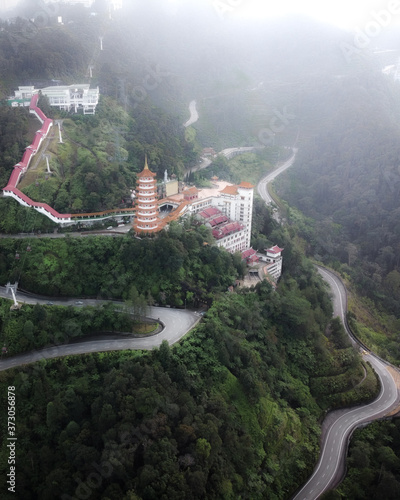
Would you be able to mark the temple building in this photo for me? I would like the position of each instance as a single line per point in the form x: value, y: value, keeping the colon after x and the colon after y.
x: 225, y: 208
x: 147, y: 215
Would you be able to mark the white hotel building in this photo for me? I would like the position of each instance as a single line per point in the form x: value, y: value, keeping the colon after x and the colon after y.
x: 225, y: 208
x: 64, y: 97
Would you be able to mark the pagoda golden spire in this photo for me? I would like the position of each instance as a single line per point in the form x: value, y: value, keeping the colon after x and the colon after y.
x: 146, y: 167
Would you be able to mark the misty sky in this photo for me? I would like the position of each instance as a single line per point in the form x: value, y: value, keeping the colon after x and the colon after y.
x: 346, y: 14
x: 6, y: 4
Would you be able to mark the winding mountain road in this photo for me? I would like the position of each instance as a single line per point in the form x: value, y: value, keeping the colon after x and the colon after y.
x: 262, y: 186
x: 339, y: 425
x: 227, y: 153
x: 194, y: 115
x: 177, y: 323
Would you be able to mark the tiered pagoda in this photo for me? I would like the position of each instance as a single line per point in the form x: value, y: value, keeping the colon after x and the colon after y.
x: 147, y: 218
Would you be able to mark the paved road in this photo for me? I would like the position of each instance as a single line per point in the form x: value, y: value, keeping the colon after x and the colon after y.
x: 231, y: 152
x: 339, y: 295
x: 228, y: 153
x: 115, y: 231
x: 194, y: 115
x: 262, y: 186
x: 176, y: 324
x: 339, y: 425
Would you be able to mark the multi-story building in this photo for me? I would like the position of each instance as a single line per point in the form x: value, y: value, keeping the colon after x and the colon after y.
x: 225, y: 208
x: 147, y: 219
x: 231, y: 235
x: 274, y: 261
x: 65, y: 97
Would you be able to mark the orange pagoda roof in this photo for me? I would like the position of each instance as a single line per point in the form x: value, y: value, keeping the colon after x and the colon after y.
x: 246, y: 185
x: 230, y: 190
x: 146, y: 172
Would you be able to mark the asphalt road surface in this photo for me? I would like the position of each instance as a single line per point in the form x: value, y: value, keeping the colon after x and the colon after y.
x: 177, y: 322
x: 262, y: 186
x: 340, y: 424
x: 194, y: 115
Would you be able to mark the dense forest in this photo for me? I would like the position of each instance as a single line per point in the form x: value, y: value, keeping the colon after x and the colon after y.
x: 95, y: 167
x: 13, y: 132
x: 233, y: 411
x: 179, y: 264
x: 373, y: 464
x: 346, y: 178
x: 227, y: 413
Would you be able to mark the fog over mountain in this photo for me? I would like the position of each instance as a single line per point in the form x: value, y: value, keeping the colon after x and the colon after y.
x: 234, y: 410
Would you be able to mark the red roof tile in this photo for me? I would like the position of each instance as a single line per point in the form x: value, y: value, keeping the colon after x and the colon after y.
x: 34, y: 100
x: 222, y: 231
x: 32, y: 203
x: 274, y: 249
x: 190, y: 191
x: 26, y: 157
x: 248, y: 253
x: 36, y: 141
x: 46, y: 126
x: 14, y: 177
x: 210, y: 212
x: 221, y: 219
x: 232, y: 190
x: 246, y: 185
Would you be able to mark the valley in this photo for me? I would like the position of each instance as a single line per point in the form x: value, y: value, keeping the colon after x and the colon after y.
x: 240, y: 390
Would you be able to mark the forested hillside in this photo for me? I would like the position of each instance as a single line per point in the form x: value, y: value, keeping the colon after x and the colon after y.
x: 347, y: 179
x: 13, y: 139
x: 228, y: 413
x: 178, y: 264
x: 373, y: 464
x: 95, y: 168
x: 233, y: 411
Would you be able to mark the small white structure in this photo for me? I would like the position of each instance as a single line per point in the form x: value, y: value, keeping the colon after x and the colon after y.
x: 22, y: 97
x: 13, y: 290
x: 274, y: 261
x: 25, y: 92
